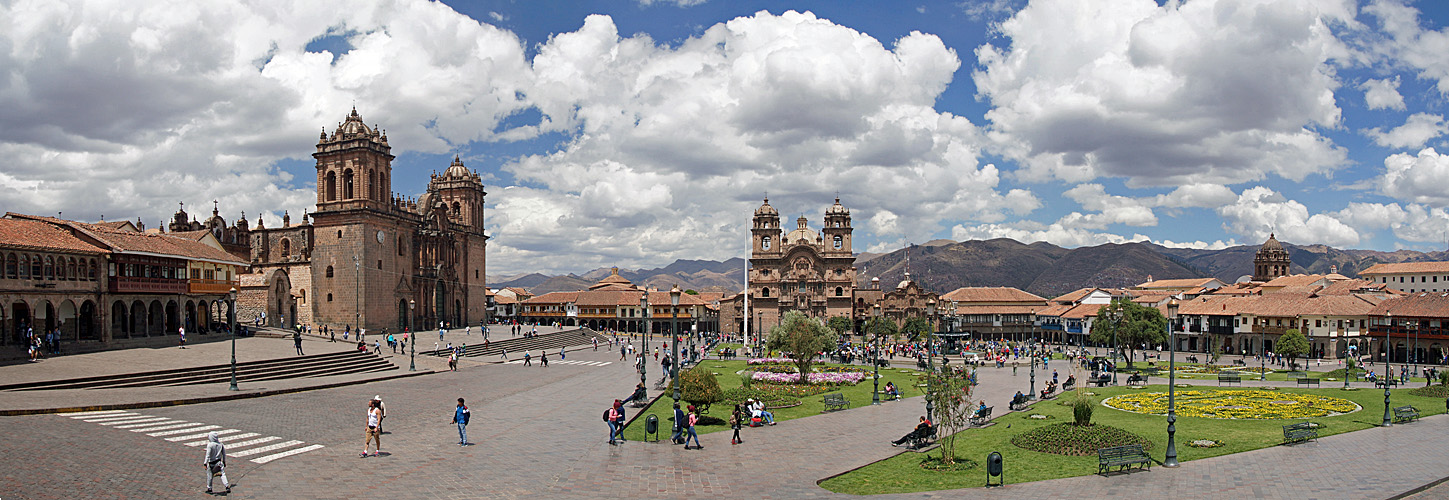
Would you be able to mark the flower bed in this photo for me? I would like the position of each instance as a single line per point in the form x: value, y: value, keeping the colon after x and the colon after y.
x: 1235, y: 404
x: 770, y: 361
x: 838, y: 378
x: 1071, y: 439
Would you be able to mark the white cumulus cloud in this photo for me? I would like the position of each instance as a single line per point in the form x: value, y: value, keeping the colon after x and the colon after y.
x: 1382, y: 94
x: 1418, y: 129
x: 1419, y: 178
x: 1260, y: 211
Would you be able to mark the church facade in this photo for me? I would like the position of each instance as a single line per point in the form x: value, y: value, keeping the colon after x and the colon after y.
x: 804, y: 270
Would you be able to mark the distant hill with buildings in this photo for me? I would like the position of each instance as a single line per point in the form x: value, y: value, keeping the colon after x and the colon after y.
x: 1040, y: 268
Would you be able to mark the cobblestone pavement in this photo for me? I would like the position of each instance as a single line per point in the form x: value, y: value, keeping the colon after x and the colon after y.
x: 536, y: 432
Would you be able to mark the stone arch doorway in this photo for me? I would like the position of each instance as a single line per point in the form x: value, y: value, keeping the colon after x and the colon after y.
x: 402, y: 315
x: 138, y: 319
x: 173, y: 318
x: 68, y: 320
x: 86, y: 323
x: 155, y: 319
x: 20, y: 318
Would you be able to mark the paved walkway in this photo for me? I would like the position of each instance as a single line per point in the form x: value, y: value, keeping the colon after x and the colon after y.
x: 536, y: 433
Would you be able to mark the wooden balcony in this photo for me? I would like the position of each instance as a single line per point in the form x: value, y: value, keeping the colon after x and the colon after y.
x: 211, y: 287
x: 133, y: 284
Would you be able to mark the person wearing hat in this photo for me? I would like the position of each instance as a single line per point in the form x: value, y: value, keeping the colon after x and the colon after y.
x: 690, y: 420
x: 381, y: 412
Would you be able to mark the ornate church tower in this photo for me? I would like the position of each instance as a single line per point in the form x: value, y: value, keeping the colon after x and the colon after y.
x: 354, y: 167
x: 461, y: 191
x: 1271, y: 261
x: 766, y: 231
x: 837, y: 230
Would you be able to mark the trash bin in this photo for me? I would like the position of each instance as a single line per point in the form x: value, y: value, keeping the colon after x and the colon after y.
x: 993, y: 469
x: 651, y: 427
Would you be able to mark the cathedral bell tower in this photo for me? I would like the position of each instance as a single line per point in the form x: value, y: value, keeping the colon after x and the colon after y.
x: 837, y: 230
x: 354, y: 167
x: 766, y: 230
x: 1271, y: 261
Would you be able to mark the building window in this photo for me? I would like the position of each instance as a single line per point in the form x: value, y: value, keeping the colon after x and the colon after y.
x: 329, y: 297
x: 839, y: 242
x: 339, y: 234
x: 399, y: 245
x: 49, y: 268
x: 329, y: 274
x: 379, y: 263
x: 765, y: 292
x: 839, y: 291
x: 765, y: 243
x: 286, y: 247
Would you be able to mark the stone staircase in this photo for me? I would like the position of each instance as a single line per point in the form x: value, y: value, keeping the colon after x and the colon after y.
x: 316, y: 365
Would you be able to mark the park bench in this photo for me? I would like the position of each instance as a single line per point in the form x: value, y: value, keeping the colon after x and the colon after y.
x: 1137, y: 378
x: 1100, y: 380
x: 1192, y: 359
x: 1299, y: 433
x: 1405, y: 414
x: 981, y: 417
x: 1019, y: 403
x: 1308, y: 381
x: 1230, y: 378
x: 1070, y: 384
x: 1240, y: 362
x: 1049, y: 392
x: 922, y: 441
x: 1122, y: 457
x: 835, y: 401
x: 1381, y: 382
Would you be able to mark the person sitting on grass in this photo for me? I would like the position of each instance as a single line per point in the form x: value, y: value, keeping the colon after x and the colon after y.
x: 890, y: 390
x: 922, y: 430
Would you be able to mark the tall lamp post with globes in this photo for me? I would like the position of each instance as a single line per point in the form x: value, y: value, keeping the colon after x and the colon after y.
x: 231, y: 319
x: 674, y: 334
x: 413, y: 332
x: 875, y: 316
x: 643, y: 369
x: 1388, y: 369
x: 1171, y: 459
x: 1031, y: 351
x: 1115, y: 311
x: 931, y: 355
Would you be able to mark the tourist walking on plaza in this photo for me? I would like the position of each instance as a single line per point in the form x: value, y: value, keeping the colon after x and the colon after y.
x: 382, y: 412
x: 374, y: 433
x: 460, y: 417
x: 215, y: 461
x: 543, y: 359
x: 690, y: 420
x: 453, y: 361
x: 181, y: 335
x: 735, y: 419
x: 527, y: 359
x: 297, y: 341
x: 614, y: 416
x: 677, y: 437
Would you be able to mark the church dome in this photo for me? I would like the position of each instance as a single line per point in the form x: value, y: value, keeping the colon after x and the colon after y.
x: 1271, y: 245
x: 457, y: 169
x: 801, y: 232
x: 766, y: 209
x: 837, y: 209
x: 353, y: 126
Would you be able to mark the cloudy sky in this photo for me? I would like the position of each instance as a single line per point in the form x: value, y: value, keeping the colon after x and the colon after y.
x: 633, y: 133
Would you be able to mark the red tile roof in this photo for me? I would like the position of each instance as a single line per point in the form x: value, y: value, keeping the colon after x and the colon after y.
x: 39, y: 235
x: 1416, y: 305
x: 1178, y: 283
x: 991, y: 294
x: 146, y: 243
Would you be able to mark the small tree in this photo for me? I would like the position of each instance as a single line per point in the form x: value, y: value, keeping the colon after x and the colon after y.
x: 800, y: 337
x: 949, y: 391
x: 839, y: 324
x: 877, y: 328
x: 1214, y: 350
x: 1138, y: 325
x: 916, y: 328
x: 1082, y: 409
x: 699, y: 388
x: 1292, y: 345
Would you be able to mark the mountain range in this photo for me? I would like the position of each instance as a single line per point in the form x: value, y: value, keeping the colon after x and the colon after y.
x: 1040, y: 268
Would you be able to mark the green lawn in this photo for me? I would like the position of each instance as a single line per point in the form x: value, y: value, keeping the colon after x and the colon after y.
x: 902, y: 473
x: 858, y: 395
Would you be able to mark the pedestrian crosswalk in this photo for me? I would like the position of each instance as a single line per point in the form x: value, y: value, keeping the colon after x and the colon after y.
x: 238, y: 443
x: 562, y: 362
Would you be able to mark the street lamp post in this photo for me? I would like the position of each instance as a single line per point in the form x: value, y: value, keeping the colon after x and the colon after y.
x: 674, y: 333
x: 1388, y: 369
x: 1263, y: 354
x: 931, y: 357
x: 643, y: 369
x: 1031, y: 351
x: 875, y: 316
x: 1115, y: 310
x: 412, y: 332
x: 1171, y: 459
x: 232, y: 320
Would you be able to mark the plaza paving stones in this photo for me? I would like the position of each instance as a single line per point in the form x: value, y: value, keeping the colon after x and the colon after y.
x: 164, y: 427
x: 536, y: 434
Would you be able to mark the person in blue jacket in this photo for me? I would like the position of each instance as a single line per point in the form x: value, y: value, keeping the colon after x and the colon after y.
x: 460, y: 417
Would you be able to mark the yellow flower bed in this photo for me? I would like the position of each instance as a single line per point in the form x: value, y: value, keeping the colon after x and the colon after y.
x: 1236, y: 404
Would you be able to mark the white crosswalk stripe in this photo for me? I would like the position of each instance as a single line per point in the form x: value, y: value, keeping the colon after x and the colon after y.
x: 573, y: 362
x: 183, y: 431
x: 194, y: 434
x: 189, y: 437
x: 92, y: 413
x: 265, y: 449
x: 133, y: 425
x: 288, y: 453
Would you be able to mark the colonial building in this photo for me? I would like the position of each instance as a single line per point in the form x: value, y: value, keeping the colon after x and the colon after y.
x: 1412, y: 277
x: 615, y: 303
x: 803, y: 270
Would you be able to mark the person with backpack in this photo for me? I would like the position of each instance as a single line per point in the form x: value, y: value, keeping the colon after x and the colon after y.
x: 215, y: 461
x: 677, y: 437
x: 614, y: 416
x: 736, y: 418
x: 460, y: 417
x: 690, y: 420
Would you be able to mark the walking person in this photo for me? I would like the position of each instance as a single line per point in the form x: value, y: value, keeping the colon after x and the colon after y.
x: 543, y: 359
x: 527, y: 359
x: 215, y: 461
x: 460, y: 417
x: 374, y: 433
x: 297, y: 341
x: 615, y: 418
x: 181, y: 334
x: 677, y: 436
x: 382, y: 412
x: 692, y: 419
x: 453, y: 361
x: 735, y: 420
